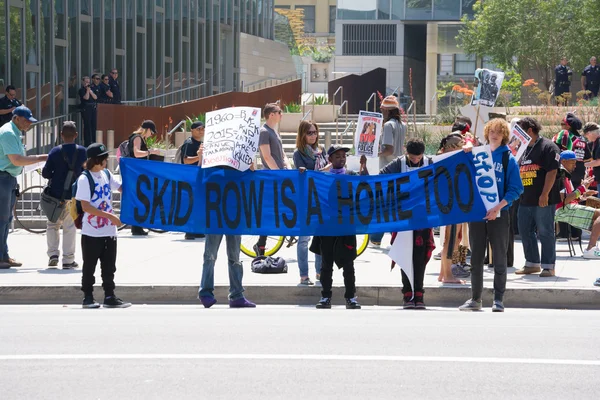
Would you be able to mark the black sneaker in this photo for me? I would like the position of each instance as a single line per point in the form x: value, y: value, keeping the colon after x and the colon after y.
x: 260, y: 251
x: 89, y: 302
x: 53, y: 262
x: 115, y: 302
x: 352, y: 304
x: 409, y: 303
x: 419, y: 303
x: 190, y: 236
x: 72, y: 265
x: 325, y: 302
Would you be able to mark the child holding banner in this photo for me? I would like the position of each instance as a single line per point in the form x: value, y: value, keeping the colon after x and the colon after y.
x: 338, y: 249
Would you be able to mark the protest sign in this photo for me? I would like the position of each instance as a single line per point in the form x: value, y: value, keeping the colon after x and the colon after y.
x: 368, y: 134
x: 184, y: 198
x: 488, y: 87
x: 231, y: 137
x: 518, y: 142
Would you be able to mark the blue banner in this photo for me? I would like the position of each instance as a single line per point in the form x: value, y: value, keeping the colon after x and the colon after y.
x: 186, y: 198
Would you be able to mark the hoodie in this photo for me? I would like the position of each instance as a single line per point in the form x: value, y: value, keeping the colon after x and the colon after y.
x: 514, y: 186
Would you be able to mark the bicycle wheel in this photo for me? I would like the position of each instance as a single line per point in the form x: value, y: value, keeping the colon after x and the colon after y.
x: 27, y: 208
x: 273, y: 245
x: 361, y: 246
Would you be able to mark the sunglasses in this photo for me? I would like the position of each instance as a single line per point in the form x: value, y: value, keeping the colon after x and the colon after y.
x: 96, y: 79
x: 105, y: 80
x: 115, y: 73
x: 311, y: 133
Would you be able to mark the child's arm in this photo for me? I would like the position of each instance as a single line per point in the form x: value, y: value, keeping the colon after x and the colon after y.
x: 88, y: 208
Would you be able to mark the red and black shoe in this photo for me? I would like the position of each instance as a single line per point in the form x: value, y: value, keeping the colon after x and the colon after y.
x: 409, y: 302
x: 259, y: 250
x: 419, y: 304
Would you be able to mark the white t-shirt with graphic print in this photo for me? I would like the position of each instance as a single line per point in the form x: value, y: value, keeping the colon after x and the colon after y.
x: 102, y: 199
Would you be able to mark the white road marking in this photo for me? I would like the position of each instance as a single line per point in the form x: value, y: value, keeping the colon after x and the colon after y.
x: 299, y: 357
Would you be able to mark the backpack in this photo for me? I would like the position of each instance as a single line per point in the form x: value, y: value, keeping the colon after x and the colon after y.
x: 75, y: 208
x: 125, y: 149
x: 269, y: 265
x: 180, y: 153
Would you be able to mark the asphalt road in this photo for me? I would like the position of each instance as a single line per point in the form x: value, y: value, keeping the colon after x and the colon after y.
x: 284, y: 352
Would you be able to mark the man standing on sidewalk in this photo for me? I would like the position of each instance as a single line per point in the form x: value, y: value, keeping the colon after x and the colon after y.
x: 539, y: 166
x: 12, y: 161
x: 60, y: 160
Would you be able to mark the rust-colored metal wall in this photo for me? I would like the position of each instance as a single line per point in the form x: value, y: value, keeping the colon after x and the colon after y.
x: 125, y: 119
x: 358, y: 88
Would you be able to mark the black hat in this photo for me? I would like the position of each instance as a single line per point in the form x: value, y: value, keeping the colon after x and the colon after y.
x: 573, y: 121
x: 148, y: 124
x: 337, y: 147
x: 96, y: 150
x: 197, y: 125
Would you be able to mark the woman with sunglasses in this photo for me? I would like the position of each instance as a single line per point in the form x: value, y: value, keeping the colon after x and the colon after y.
x: 106, y: 96
x: 308, y: 156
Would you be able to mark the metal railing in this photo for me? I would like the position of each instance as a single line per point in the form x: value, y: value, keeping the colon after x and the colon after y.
x: 341, y: 88
x: 337, y: 120
x: 45, y: 134
x: 304, y: 118
x: 266, y: 83
x: 351, y: 127
x: 374, y: 97
x: 412, y: 108
x: 160, y: 96
x: 312, y: 110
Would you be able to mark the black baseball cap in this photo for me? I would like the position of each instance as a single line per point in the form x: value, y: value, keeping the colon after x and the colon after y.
x: 96, y: 150
x: 337, y: 147
x: 198, y: 125
x: 148, y: 124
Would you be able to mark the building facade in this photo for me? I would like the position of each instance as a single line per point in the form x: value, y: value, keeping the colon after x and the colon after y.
x: 319, y: 18
x: 166, y: 51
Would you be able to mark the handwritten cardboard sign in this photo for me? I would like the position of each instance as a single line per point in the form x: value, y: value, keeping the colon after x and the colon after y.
x: 231, y: 137
x: 368, y: 134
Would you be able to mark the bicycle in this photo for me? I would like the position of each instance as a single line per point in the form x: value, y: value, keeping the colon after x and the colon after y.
x: 275, y: 243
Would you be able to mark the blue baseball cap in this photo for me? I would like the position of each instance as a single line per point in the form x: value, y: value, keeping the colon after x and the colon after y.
x: 24, y: 112
x: 568, y: 155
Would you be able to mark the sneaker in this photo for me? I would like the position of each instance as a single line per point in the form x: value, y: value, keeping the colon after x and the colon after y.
x: 547, y: 273
x: 190, y: 236
x: 306, y: 282
x: 139, y: 233
x: 72, y: 265
x: 4, y: 265
x: 14, y: 263
x: 208, y: 301
x: 497, y: 306
x: 241, y: 303
x: 89, y: 302
x: 528, y: 270
x: 318, y: 277
x: 419, y: 303
x: 597, y: 283
x: 325, y: 302
x: 115, y: 302
x: 53, y: 262
x: 409, y: 303
x: 592, y: 254
x: 490, y: 266
x: 459, y: 271
x: 471, y: 305
x: 438, y: 256
x: 260, y: 251
x: 352, y: 304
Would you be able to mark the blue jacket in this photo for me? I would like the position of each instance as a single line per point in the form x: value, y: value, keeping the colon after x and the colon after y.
x: 56, y: 168
x: 514, y: 184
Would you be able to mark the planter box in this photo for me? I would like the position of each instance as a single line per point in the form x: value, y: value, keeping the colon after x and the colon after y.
x: 325, y: 113
x: 289, y: 122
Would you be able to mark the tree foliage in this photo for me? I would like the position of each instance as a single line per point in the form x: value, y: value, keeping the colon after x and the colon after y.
x: 533, y: 35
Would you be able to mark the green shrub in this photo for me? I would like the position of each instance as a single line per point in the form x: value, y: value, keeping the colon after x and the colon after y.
x: 292, y: 108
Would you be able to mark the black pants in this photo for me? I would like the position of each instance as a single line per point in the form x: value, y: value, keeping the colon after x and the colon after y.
x: 421, y: 256
x: 510, y: 254
x: 497, y: 232
x: 105, y: 250
x: 262, y: 242
x: 89, y: 115
x: 327, y: 260
x: 136, y: 230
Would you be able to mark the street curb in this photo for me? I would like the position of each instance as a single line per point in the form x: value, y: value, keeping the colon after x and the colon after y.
x: 576, y: 298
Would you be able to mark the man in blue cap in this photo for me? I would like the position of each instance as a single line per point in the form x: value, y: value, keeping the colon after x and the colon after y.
x: 570, y: 211
x: 12, y: 161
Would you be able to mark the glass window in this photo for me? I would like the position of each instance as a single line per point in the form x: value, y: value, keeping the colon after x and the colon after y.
x: 357, y: 9
x: 446, y: 10
x: 332, y: 12
x: 464, y: 64
x: 59, y: 19
x: 140, y: 13
x: 418, y: 9
x: 467, y: 7
x: 309, y: 18
x: 86, y: 49
x: 109, y: 49
x: 447, y: 38
x: 383, y: 9
x: 30, y: 30
x: 97, y: 52
x: 397, y: 9
x: 60, y: 59
x: 488, y: 64
x: 282, y: 7
x: 168, y: 27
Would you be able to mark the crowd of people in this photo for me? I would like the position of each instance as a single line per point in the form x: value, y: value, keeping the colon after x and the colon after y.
x: 547, y: 186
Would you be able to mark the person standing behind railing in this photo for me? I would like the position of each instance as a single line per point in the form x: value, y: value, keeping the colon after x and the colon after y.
x: 88, y: 97
x: 12, y: 161
x: 8, y: 104
x: 308, y: 156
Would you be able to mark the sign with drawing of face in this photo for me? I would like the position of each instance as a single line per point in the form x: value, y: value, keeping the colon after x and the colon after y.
x: 488, y: 87
x: 368, y: 134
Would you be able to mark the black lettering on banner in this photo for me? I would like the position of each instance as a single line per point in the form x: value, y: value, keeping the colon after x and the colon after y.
x: 139, y: 217
x: 235, y: 222
x: 425, y: 174
x: 444, y: 208
x: 463, y: 169
x: 289, y: 222
x: 401, y: 196
x: 383, y: 205
x: 316, y: 210
x: 212, y: 187
x: 252, y: 204
x: 183, y: 187
x: 364, y: 219
x: 173, y: 201
x: 276, y: 203
x: 344, y: 202
x: 157, y: 201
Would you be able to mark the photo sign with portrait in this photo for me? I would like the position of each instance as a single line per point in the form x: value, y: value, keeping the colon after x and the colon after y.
x: 488, y: 87
x: 518, y: 141
x: 231, y: 137
x: 368, y: 134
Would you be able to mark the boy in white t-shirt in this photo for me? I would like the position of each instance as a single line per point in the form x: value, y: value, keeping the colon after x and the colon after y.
x: 99, y: 227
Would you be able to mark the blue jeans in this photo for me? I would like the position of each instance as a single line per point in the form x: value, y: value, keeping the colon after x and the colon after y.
x: 542, y: 218
x: 302, y: 255
x: 8, y: 185
x: 236, y: 271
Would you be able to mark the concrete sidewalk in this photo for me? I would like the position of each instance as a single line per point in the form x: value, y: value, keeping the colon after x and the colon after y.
x: 165, y: 268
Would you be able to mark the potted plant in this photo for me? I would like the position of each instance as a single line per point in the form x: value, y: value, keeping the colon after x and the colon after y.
x: 163, y: 145
x: 323, y: 110
x: 291, y: 117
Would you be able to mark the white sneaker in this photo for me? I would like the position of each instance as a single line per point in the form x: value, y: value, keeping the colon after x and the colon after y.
x: 592, y: 254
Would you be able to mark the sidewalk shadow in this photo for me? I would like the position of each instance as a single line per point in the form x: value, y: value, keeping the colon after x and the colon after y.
x: 529, y: 279
x: 56, y: 271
